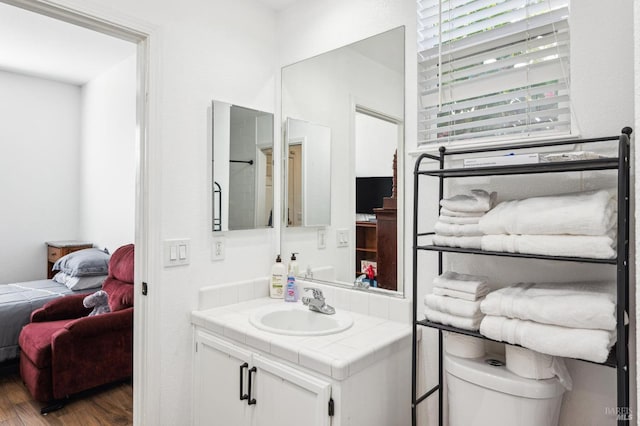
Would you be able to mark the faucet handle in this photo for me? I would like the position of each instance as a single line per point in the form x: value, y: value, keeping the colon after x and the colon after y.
x: 317, y: 293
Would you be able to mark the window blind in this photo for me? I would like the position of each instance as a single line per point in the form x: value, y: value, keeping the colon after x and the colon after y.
x: 492, y: 69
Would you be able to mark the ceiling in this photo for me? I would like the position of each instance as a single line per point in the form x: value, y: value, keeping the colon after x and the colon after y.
x: 277, y: 4
x: 44, y: 47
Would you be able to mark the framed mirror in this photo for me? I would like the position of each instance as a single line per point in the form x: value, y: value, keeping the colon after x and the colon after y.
x: 356, y: 94
x: 242, y: 158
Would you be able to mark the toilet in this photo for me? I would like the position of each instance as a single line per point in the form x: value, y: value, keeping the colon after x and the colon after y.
x: 482, y: 392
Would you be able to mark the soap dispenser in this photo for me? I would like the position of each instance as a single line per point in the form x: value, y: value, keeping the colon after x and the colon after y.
x: 276, y: 284
x: 293, y: 266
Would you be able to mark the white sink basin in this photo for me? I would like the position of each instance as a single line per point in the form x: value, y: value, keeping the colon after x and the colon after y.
x: 295, y: 319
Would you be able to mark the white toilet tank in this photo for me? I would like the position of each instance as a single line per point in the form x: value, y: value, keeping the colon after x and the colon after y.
x: 482, y: 394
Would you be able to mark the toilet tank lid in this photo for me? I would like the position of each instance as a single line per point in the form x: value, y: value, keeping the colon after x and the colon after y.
x: 498, y: 378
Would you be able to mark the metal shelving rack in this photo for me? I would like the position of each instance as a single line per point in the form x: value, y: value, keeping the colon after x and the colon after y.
x: 619, y: 356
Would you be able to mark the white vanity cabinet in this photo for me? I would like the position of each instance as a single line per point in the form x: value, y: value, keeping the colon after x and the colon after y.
x: 274, y: 393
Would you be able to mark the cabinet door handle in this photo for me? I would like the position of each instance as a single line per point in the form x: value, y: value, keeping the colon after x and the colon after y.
x: 242, y: 394
x: 251, y: 401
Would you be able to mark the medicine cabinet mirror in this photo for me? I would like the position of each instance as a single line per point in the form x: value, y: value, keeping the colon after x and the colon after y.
x: 348, y: 214
x: 242, y: 172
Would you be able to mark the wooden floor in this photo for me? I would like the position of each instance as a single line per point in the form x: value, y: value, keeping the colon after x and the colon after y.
x: 109, y: 405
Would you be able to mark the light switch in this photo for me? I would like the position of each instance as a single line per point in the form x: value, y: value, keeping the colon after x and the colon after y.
x: 176, y: 252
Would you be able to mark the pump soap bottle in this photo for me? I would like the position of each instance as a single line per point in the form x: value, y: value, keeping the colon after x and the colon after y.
x: 293, y: 266
x: 276, y: 284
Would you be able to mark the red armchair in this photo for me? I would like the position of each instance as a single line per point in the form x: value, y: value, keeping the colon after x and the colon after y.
x: 64, y: 351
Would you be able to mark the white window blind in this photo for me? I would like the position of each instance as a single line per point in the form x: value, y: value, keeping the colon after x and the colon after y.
x: 492, y: 69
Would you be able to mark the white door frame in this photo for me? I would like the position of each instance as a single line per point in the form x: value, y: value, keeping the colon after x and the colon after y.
x: 146, y: 404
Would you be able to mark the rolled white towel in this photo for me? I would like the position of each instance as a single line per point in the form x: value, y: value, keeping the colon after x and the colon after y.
x: 453, y: 320
x: 472, y: 242
x: 577, y: 304
x: 581, y: 343
x: 453, y: 305
x: 468, y: 220
x: 584, y: 213
x: 476, y: 200
x: 473, y: 284
x: 597, y: 247
x: 446, y: 212
x: 452, y: 229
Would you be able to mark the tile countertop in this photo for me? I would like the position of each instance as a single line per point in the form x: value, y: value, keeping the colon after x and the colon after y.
x: 339, y: 355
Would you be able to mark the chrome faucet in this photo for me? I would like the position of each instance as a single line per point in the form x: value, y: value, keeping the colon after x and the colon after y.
x: 317, y: 302
x: 360, y: 283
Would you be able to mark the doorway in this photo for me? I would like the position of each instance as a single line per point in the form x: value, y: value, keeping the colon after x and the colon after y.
x: 141, y: 40
x: 378, y: 223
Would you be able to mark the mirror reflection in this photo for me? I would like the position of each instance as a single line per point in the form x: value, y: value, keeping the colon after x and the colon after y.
x: 308, y: 174
x: 242, y: 167
x: 357, y: 93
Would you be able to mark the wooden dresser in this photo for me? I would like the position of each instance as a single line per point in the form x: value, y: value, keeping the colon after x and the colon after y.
x: 57, y: 249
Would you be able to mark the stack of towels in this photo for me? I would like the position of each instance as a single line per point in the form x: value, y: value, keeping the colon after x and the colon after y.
x: 574, y: 320
x: 458, y: 223
x: 576, y: 225
x: 456, y: 299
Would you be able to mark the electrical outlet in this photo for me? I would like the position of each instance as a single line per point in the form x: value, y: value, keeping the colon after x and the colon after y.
x: 218, y: 248
x: 322, y: 238
x: 342, y: 238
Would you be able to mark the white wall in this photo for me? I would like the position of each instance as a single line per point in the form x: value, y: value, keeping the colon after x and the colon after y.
x: 602, y: 99
x: 40, y: 136
x: 108, y: 156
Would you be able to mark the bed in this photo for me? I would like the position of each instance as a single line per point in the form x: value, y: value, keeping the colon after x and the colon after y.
x: 17, y: 301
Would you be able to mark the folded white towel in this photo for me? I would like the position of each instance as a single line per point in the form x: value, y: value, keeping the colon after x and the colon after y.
x: 578, y: 304
x: 453, y: 305
x: 453, y: 320
x: 474, y: 242
x: 474, y: 284
x: 469, y: 220
x: 453, y: 229
x: 476, y: 200
x: 590, y: 345
x: 439, y: 291
x: 584, y: 213
x: 597, y: 247
x: 446, y: 212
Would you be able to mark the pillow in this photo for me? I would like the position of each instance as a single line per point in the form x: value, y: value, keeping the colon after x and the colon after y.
x: 79, y: 283
x: 82, y: 263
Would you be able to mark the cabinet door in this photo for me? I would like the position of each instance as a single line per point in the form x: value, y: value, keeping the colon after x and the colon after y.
x: 218, y: 382
x: 288, y: 397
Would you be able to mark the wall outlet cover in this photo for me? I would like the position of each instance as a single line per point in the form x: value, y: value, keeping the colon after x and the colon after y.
x: 322, y: 239
x: 218, y: 248
x: 342, y: 238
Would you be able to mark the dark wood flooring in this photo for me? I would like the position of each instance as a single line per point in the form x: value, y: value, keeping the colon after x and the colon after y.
x: 108, y: 405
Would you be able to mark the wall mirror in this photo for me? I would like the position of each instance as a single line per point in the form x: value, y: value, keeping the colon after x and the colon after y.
x: 242, y: 176
x: 354, y: 96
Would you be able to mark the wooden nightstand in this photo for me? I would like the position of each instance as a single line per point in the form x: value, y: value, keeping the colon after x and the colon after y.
x: 57, y: 249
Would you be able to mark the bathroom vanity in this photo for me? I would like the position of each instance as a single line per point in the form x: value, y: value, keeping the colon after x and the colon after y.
x: 244, y: 375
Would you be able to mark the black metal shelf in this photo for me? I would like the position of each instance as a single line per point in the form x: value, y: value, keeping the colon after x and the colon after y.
x: 523, y: 255
x: 619, y: 355
x: 610, y: 361
x: 523, y: 169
